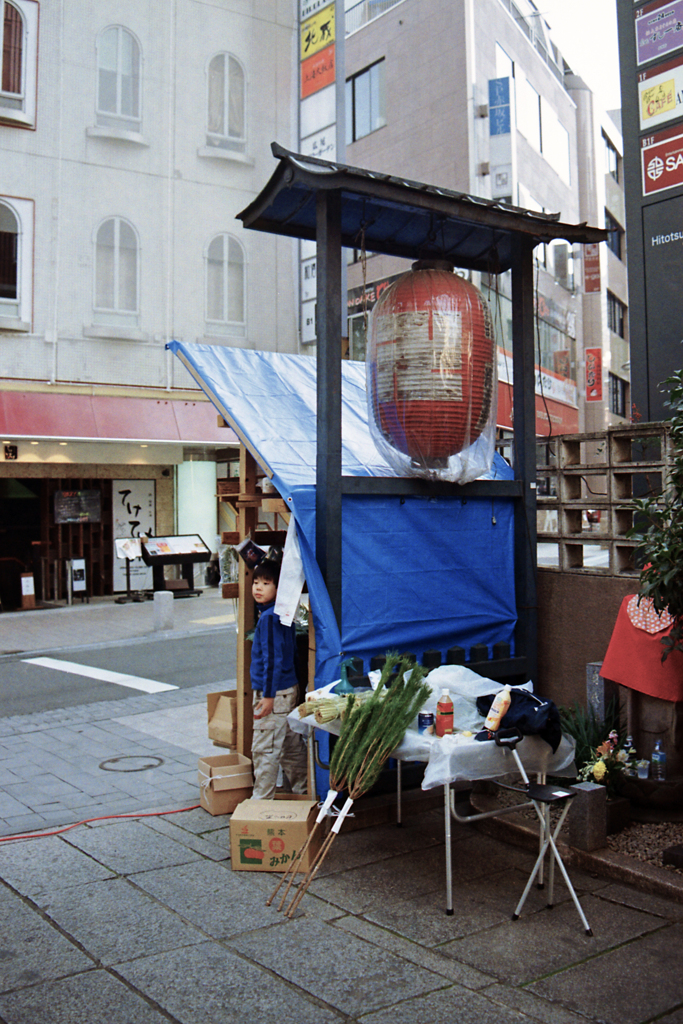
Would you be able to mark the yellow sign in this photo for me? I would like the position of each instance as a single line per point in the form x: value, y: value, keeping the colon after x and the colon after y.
x: 658, y: 99
x: 317, y: 32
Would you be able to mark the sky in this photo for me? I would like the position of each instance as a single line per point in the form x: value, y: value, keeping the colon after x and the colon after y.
x: 585, y: 32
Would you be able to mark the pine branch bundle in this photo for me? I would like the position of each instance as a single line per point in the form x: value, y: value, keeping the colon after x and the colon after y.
x: 370, y: 732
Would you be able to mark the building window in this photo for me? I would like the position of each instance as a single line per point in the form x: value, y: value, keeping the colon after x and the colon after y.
x: 226, y: 103
x: 16, y: 263
x: 116, y: 273
x: 611, y: 158
x: 616, y: 315
x: 615, y: 236
x: 9, y: 253
x: 19, y: 56
x: 118, y: 80
x: 529, y: 112
x: 617, y: 395
x: 225, y: 302
x: 365, y: 102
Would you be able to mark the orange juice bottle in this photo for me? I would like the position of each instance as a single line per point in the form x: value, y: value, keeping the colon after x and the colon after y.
x: 443, y: 724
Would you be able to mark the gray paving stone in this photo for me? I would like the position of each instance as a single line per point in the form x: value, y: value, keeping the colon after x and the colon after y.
x: 450, y: 1004
x: 115, y: 922
x: 166, y: 827
x: 220, y: 901
x: 352, y: 975
x: 432, y: 960
x: 128, y: 847
x: 539, y: 1009
x: 551, y: 940
x: 230, y: 989
x: 37, y: 866
x: 589, y: 988
x: 93, y: 996
x: 31, y: 950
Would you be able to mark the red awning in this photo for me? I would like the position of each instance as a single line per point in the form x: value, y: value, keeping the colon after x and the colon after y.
x: 110, y: 418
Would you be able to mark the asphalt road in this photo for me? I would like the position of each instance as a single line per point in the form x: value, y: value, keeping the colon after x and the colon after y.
x: 28, y: 686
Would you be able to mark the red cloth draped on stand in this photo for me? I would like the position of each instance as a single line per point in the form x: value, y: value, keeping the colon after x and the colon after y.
x: 634, y: 654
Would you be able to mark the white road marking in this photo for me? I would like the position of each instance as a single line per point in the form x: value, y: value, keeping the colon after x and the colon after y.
x: 119, y: 678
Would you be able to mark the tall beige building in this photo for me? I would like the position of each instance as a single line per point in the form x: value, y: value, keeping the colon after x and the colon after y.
x: 476, y: 97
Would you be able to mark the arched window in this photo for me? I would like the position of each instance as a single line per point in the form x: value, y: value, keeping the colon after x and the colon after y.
x: 18, y: 62
x: 9, y: 256
x: 116, y: 268
x: 12, y: 49
x: 225, y: 284
x: 226, y: 104
x: 118, y: 79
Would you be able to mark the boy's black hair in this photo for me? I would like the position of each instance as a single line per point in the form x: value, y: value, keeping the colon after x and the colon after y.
x: 269, y: 570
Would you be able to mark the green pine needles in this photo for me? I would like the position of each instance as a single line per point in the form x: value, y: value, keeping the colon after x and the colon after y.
x: 371, y: 730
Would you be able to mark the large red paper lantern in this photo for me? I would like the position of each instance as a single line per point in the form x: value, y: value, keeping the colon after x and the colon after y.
x: 430, y: 364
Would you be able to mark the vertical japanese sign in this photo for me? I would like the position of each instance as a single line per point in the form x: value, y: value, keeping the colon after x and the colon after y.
x: 591, y: 268
x: 317, y: 123
x: 594, y: 375
x: 134, y: 514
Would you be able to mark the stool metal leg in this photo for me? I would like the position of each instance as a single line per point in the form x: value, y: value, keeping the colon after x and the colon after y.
x: 549, y: 841
x: 449, y: 851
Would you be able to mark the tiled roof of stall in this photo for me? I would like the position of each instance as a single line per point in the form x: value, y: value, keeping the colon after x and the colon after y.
x: 399, y: 217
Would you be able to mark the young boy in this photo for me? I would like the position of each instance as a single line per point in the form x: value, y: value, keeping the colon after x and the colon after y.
x: 275, y: 685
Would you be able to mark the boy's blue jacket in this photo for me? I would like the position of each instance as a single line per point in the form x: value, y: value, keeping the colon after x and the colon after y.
x: 273, y: 654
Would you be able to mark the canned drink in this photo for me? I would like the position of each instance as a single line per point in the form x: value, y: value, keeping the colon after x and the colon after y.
x: 425, y: 722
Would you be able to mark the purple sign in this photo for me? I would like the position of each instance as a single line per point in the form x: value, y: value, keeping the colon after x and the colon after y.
x: 659, y: 29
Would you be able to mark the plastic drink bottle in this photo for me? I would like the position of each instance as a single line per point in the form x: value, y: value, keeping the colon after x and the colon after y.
x: 444, y: 714
x: 658, y: 761
x: 499, y: 707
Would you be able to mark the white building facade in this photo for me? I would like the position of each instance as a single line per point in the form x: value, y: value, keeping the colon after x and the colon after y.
x: 132, y: 133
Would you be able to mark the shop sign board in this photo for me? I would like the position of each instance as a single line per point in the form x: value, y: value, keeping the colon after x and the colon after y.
x: 317, y: 72
x: 660, y: 94
x: 591, y: 268
x: 593, y: 374
x: 134, y: 516
x: 317, y: 32
x: 661, y: 157
x: 659, y: 29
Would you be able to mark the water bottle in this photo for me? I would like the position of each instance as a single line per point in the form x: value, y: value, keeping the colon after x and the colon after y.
x: 630, y: 748
x: 658, y: 761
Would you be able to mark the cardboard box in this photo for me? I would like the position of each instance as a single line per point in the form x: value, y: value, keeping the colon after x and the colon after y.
x: 224, y: 782
x: 266, y: 834
x: 221, y: 710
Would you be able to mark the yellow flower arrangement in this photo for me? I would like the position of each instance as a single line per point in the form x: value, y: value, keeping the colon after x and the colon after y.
x: 607, y: 764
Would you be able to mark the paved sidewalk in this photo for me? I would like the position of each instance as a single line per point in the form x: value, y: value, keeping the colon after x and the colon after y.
x: 109, y: 757
x: 142, y: 921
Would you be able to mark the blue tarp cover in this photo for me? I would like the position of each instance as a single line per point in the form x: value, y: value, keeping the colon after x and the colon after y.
x: 417, y: 573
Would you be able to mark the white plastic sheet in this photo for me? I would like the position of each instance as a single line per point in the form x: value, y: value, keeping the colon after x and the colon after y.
x: 460, y: 758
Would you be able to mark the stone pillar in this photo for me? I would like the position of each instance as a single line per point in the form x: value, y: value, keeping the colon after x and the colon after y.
x: 587, y: 817
x: 163, y: 609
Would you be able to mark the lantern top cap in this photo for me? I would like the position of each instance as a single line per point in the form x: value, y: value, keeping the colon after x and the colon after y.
x: 399, y: 217
x: 434, y: 265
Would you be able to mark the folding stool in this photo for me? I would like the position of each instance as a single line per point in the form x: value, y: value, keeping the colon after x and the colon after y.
x: 542, y: 796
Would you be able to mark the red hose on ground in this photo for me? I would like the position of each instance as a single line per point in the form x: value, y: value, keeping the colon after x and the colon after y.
x: 105, y: 817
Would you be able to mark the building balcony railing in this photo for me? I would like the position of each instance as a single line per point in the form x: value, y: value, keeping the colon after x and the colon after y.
x: 367, y: 10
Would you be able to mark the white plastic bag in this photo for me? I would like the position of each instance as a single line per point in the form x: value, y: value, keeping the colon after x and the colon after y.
x: 291, y: 578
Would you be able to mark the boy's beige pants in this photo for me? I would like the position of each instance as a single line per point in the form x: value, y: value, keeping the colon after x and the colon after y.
x: 274, y: 744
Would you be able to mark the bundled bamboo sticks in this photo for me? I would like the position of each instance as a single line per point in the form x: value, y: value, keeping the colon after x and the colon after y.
x: 371, y: 730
